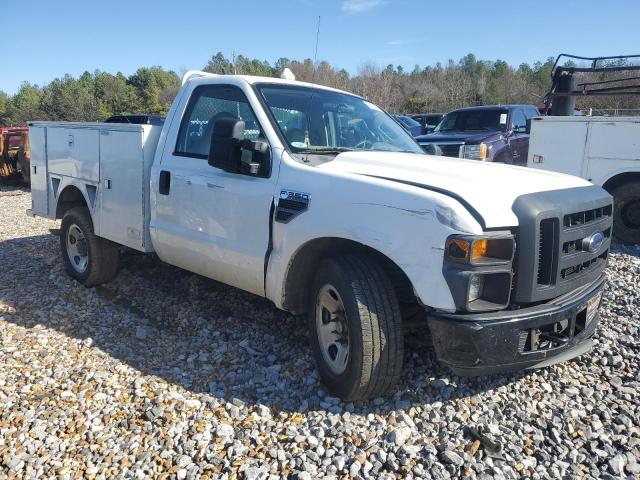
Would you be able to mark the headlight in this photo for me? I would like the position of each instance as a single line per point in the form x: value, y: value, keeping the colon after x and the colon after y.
x: 479, y: 250
x: 478, y: 270
x: 431, y: 149
x: 476, y: 282
x: 475, y: 152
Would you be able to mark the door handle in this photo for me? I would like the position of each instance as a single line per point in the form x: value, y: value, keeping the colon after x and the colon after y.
x: 164, y: 185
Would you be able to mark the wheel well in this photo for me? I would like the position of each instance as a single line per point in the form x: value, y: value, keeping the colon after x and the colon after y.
x: 620, y: 179
x: 306, y: 260
x: 70, y: 197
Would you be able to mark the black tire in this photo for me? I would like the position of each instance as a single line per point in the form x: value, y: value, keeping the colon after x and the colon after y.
x: 502, y: 157
x: 103, y: 257
x: 626, y: 219
x: 375, y: 337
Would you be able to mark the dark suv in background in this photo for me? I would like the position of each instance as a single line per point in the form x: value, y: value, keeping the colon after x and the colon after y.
x: 409, y: 124
x: 492, y: 133
x: 429, y: 121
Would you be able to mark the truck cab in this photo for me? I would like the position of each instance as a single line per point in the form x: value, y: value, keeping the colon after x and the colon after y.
x: 319, y: 201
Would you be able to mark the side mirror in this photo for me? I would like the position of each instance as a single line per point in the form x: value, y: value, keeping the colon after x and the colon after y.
x: 224, y: 150
x: 231, y: 152
x: 528, y: 128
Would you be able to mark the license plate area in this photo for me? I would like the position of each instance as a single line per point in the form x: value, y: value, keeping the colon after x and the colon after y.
x: 546, y: 337
x: 559, y: 333
x: 588, y: 313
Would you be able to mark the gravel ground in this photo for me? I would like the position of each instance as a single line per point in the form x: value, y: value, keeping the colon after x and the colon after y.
x: 162, y: 373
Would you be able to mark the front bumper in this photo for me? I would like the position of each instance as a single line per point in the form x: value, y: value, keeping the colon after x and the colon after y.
x: 533, y: 337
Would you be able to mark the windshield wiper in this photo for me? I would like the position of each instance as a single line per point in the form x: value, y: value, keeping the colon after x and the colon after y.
x: 327, y: 150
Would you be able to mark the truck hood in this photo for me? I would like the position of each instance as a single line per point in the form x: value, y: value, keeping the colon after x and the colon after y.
x: 488, y: 188
x: 467, y: 137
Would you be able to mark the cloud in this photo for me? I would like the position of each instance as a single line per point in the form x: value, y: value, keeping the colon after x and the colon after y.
x: 394, y: 43
x: 359, y: 6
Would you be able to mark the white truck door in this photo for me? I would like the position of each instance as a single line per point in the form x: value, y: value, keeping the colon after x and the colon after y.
x: 558, y: 144
x: 204, y: 219
x: 614, y: 147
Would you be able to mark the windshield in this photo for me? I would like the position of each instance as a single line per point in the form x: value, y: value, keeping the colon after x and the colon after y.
x: 408, y: 121
x: 494, y: 120
x: 316, y: 120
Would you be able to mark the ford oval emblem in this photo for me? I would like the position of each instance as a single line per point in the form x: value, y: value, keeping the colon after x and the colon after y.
x: 594, y: 242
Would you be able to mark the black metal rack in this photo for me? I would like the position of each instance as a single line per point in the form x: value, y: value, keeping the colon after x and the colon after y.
x: 560, y: 100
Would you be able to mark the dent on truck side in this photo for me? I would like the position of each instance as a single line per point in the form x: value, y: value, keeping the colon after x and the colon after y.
x: 398, y: 221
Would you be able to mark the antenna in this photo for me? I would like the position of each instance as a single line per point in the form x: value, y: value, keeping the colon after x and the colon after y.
x: 315, y: 55
x: 233, y: 56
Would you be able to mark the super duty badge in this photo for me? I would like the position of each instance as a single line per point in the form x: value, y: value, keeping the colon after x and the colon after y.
x: 290, y: 204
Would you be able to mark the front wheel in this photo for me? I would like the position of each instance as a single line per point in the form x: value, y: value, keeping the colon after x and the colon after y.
x: 88, y: 258
x: 355, y: 327
x: 626, y: 220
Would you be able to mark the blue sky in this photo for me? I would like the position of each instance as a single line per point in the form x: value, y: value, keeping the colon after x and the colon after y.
x: 70, y: 36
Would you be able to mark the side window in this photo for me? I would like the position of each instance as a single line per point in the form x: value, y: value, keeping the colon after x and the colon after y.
x: 207, y: 104
x: 519, y: 121
x: 531, y: 112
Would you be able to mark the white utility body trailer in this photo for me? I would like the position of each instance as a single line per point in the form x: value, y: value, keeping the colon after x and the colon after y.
x: 602, y: 150
x: 319, y: 201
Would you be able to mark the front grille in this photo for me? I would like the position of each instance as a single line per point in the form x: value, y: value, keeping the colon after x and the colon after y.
x: 444, y: 149
x: 567, y: 272
x: 586, y: 217
x: 572, y: 259
x: 451, y: 150
x: 555, y: 236
x: 573, y: 246
x: 547, y: 250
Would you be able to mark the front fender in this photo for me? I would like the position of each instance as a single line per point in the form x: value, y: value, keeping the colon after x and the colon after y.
x: 402, y: 222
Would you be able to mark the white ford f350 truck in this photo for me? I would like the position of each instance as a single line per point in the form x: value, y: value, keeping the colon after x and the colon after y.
x: 319, y: 201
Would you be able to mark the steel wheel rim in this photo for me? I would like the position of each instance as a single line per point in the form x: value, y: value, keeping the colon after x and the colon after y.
x: 77, y: 249
x: 631, y: 214
x: 332, y: 329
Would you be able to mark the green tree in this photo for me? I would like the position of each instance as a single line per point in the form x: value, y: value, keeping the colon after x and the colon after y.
x: 152, y: 86
x: 115, y: 96
x: 414, y: 104
x: 25, y: 105
x: 71, y: 99
x: 4, y: 108
x: 219, y: 64
x: 246, y: 66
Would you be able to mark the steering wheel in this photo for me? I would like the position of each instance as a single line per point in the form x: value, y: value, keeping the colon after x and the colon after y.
x: 363, y: 145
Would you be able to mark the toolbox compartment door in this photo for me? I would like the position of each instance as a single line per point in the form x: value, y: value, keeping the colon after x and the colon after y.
x: 74, y: 152
x: 122, y: 205
x: 39, y: 182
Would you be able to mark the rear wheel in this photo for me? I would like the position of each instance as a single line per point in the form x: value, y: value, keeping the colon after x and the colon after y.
x: 88, y: 258
x: 626, y: 221
x: 355, y: 328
